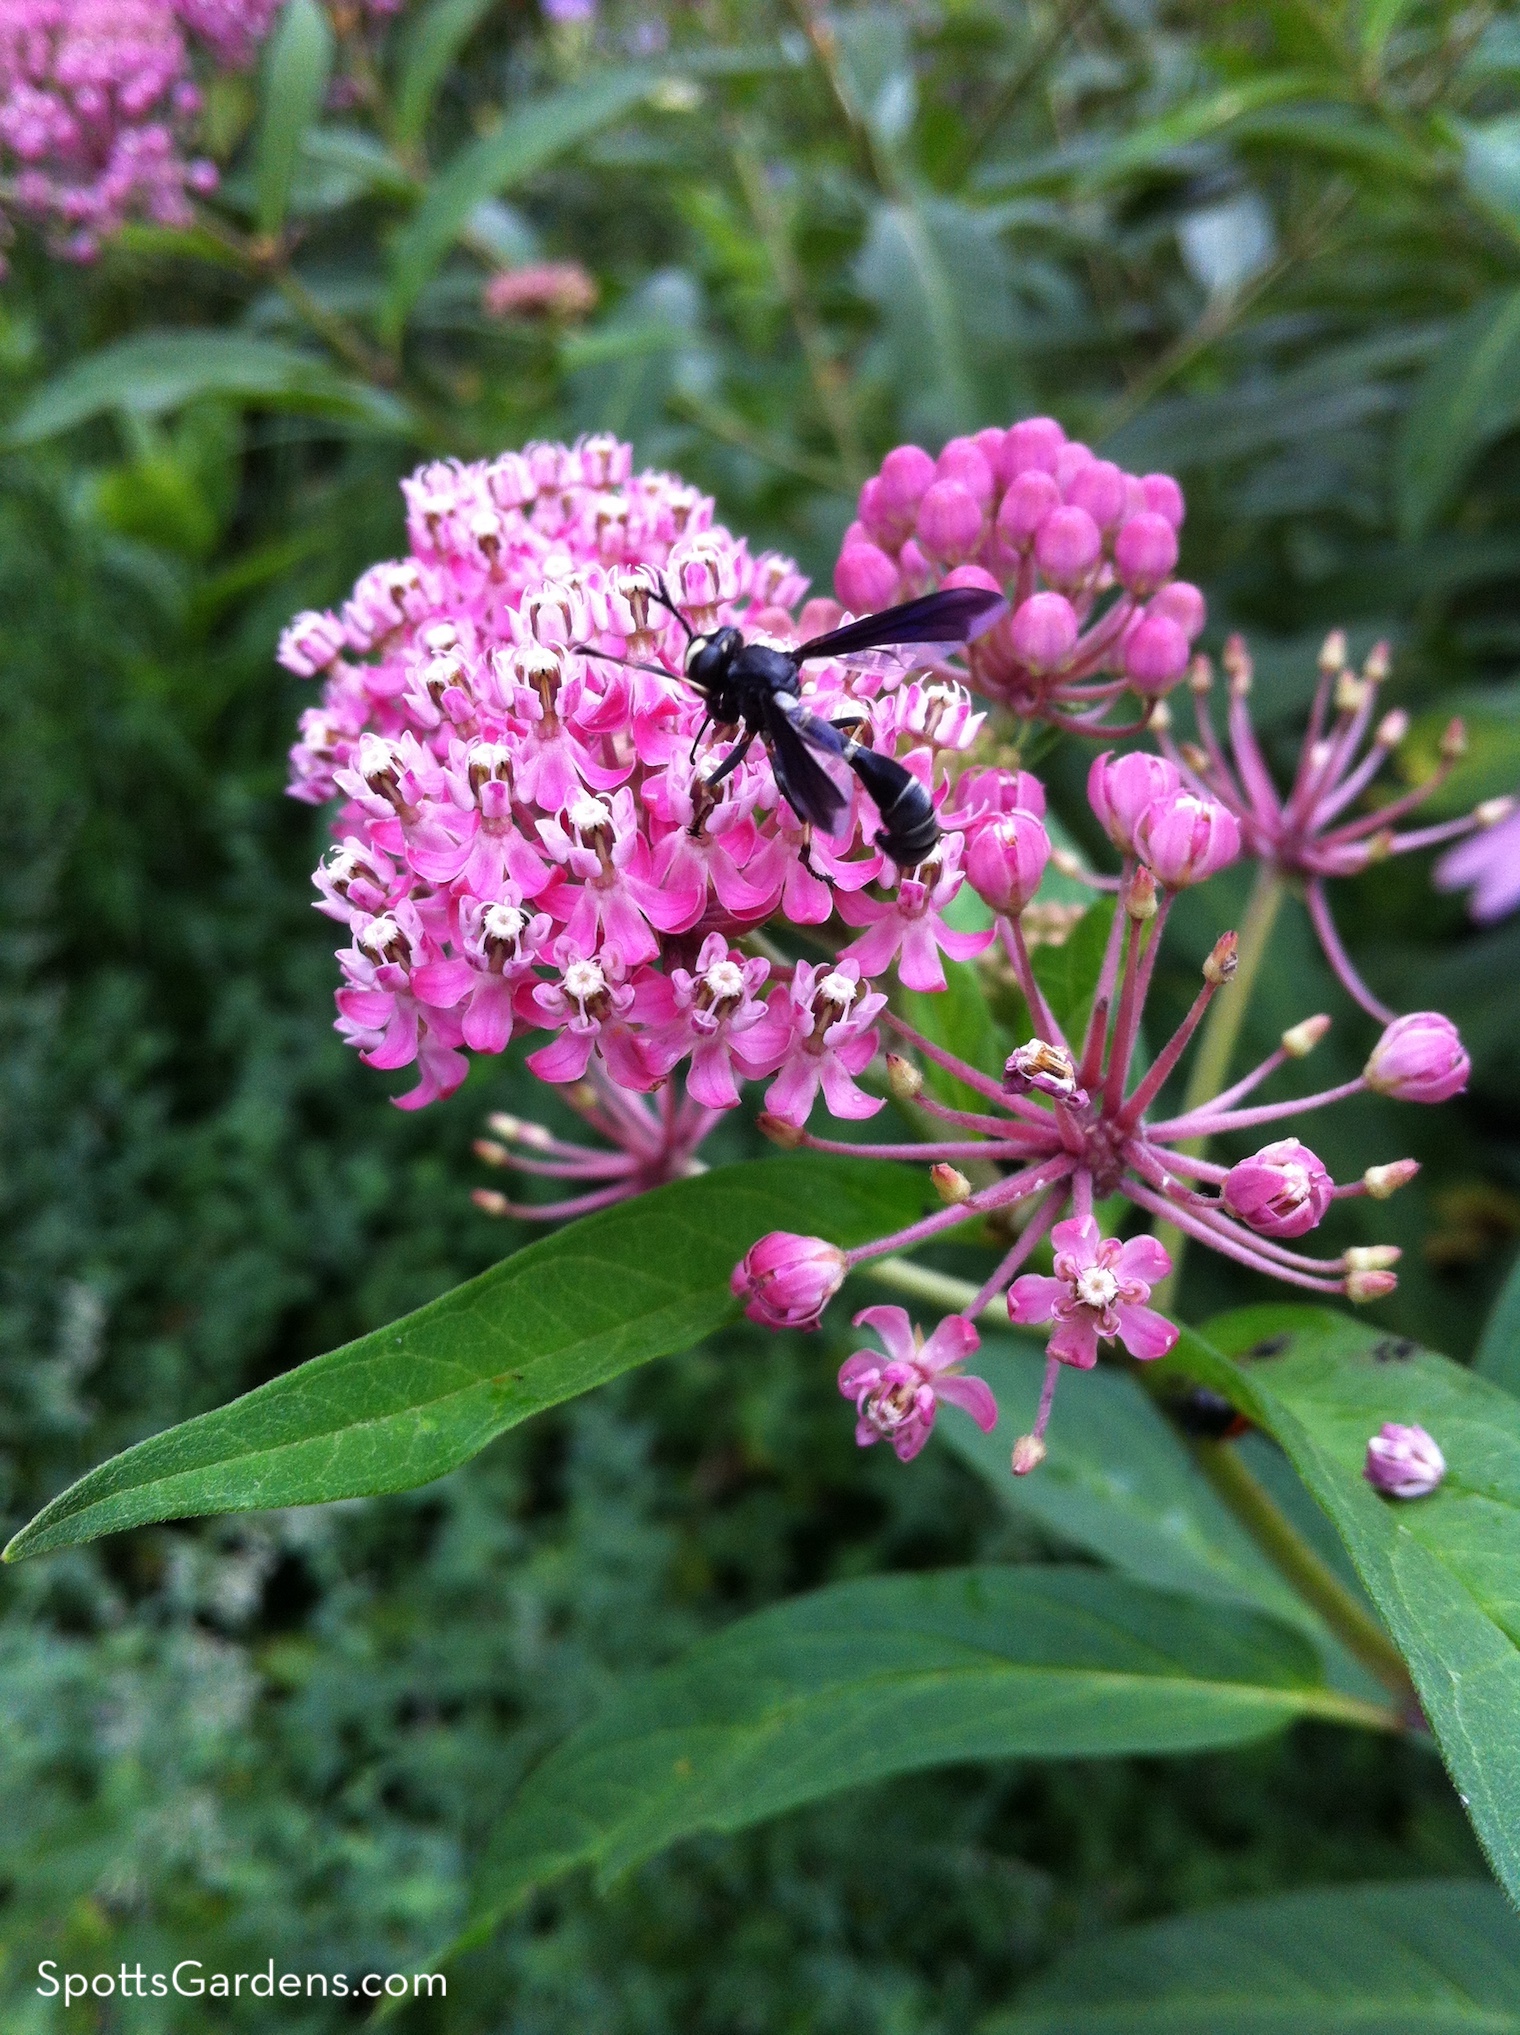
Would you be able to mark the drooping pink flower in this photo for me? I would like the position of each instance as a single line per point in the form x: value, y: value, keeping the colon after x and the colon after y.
x: 1404, y: 1462
x: 1419, y: 1058
x: 1185, y: 840
x: 787, y: 1280
x: 1099, y: 1290
x: 1283, y: 1191
x: 896, y: 1396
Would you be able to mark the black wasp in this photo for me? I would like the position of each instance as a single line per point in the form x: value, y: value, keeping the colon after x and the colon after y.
x: 754, y: 688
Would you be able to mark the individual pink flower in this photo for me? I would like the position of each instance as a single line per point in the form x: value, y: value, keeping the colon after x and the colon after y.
x: 818, y: 1032
x: 595, y: 1008
x: 1419, y: 1058
x: 1283, y: 1191
x: 1488, y: 865
x: 1121, y: 788
x: 896, y: 1396
x: 1099, y: 1290
x: 787, y: 1280
x: 718, y: 1008
x: 1404, y: 1462
x: 910, y: 926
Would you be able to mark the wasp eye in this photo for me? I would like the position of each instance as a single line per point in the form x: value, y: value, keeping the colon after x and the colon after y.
x: 694, y: 650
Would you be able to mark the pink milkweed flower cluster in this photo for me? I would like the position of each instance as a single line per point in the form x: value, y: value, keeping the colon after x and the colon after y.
x: 1068, y: 1126
x: 529, y: 838
x: 1084, y: 551
x: 98, y: 103
x: 1317, y: 830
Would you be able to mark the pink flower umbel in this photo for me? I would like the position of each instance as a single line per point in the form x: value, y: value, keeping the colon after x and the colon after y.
x: 1099, y: 1290
x: 1084, y: 552
x: 1319, y: 828
x: 896, y: 1396
x: 1404, y: 1462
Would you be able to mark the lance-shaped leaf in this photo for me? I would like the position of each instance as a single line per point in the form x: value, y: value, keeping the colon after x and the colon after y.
x: 1468, y: 397
x: 1497, y: 1357
x: 526, y: 140
x: 1444, y: 1570
x: 296, y: 72
x: 152, y: 373
x: 1433, y: 1957
x: 400, y: 1407
x: 434, y: 39
x: 887, y: 1676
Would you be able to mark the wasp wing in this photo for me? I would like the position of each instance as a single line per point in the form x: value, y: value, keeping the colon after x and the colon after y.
x: 805, y: 785
x: 955, y: 615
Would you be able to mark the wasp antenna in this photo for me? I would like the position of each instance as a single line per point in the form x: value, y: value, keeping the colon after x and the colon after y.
x: 663, y: 597
x: 631, y: 663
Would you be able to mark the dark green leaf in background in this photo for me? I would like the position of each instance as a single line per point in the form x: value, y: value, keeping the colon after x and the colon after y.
x: 1434, y: 1957
x: 887, y: 1676
x: 434, y: 39
x: 404, y: 1405
x: 1498, y: 1353
x: 1468, y: 397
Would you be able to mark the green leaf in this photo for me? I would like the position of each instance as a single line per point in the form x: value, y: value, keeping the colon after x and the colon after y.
x: 1199, y: 120
x: 1498, y: 1353
x: 412, y: 1401
x: 1444, y: 1571
x: 526, y: 140
x: 1379, y: 19
x: 940, y: 279
x: 1467, y: 397
x: 1068, y: 974
x: 887, y: 1676
x: 1430, y: 1957
x: 1491, y: 168
x: 1119, y: 1483
x: 296, y: 72
x: 154, y: 372
x: 434, y: 39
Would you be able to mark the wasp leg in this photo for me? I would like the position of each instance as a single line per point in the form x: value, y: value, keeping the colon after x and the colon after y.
x: 732, y: 760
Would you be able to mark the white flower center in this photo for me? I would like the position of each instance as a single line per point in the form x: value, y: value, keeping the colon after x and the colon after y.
x: 1097, y: 1287
x: 584, y: 979
x: 726, y: 980
x: 1294, y: 1191
x: 587, y: 814
x: 505, y: 922
x: 838, y: 989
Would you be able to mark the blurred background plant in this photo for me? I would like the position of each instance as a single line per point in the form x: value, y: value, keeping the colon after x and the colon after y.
x: 1272, y: 248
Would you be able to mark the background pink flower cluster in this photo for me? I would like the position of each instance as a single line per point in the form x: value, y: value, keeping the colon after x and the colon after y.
x: 98, y: 105
x: 1084, y: 551
x: 528, y: 838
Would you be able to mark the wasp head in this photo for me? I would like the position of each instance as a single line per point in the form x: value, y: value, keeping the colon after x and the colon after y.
x: 708, y: 657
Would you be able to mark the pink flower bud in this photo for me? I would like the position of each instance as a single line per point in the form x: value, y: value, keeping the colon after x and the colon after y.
x: 1119, y: 788
x: 963, y: 460
x: 1067, y: 546
x: 1164, y: 497
x: 1419, y: 1058
x: 1155, y: 654
x: 906, y: 472
x: 1070, y: 461
x: 1281, y: 1192
x: 1043, y: 631
x: 865, y: 579
x: 1005, y: 860
x: 880, y: 519
x: 787, y: 1281
x: 1186, y: 839
x: 1035, y: 444
x: 1030, y: 499
x: 1403, y: 1462
x: 1145, y: 551
x: 1180, y: 602
x: 1099, y: 488
x: 949, y: 521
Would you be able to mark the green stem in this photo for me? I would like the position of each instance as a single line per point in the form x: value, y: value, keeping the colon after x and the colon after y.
x: 1217, y: 1042
x: 1251, y: 1504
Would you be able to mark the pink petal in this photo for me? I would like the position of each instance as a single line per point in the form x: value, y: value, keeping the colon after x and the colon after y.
x: 1144, y: 1258
x: 1143, y: 1332
x: 954, y: 1339
x: 973, y: 1396
x: 1078, y: 1237
x: 895, y: 1329
x: 912, y: 1435
x: 859, y: 1373
x: 1034, y: 1298
x: 1076, y: 1341
x: 842, y: 1096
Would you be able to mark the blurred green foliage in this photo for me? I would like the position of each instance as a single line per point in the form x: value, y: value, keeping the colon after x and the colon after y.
x: 1274, y: 248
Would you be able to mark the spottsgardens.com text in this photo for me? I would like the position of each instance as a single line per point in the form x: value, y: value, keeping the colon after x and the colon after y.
x: 191, y: 1981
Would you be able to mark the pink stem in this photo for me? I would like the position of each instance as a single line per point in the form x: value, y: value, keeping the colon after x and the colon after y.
x: 1097, y: 1023
x: 1029, y: 1236
x: 1127, y: 1030
x: 560, y: 1211
x: 1047, y: 1397
x: 1013, y: 1188
x: 1142, y: 1098
x: 1336, y: 955
x: 1034, y: 996
x: 1172, y: 1211
x: 1203, y: 1123
x: 979, y: 1083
